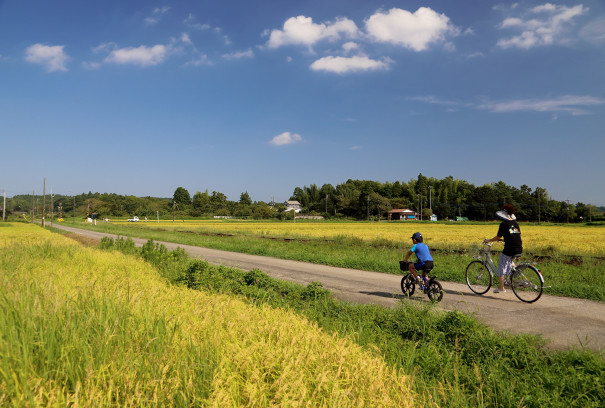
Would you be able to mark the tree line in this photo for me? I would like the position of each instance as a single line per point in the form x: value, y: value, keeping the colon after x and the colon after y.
x: 107, y: 205
x: 447, y: 198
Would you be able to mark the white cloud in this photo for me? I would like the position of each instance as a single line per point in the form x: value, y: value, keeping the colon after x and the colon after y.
x: 105, y: 47
x: 476, y: 54
x: 415, y: 31
x: 432, y: 100
x: 53, y: 58
x: 190, y: 21
x: 143, y: 55
x: 573, y: 104
x: 239, y: 55
x: 200, y: 60
x: 594, y: 32
x: 342, y: 65
x: 286, y: 138
x: 302, y: 31
x: 186, y: 39
x: 350, y: 46
x: 542, y: 25
x: 91, y: 65
x: 158, y: 12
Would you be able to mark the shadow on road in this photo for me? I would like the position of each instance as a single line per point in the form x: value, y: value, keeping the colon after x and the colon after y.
x: 382, y: 294
x: 416, y: 297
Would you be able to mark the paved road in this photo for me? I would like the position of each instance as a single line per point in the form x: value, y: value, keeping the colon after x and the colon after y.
x: 563, y: 321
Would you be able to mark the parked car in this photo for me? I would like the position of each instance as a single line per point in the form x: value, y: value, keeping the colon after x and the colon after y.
x: 133, y: 219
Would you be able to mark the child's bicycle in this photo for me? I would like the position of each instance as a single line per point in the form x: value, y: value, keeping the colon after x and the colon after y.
x: 525, y: 279
x: 431, y: 287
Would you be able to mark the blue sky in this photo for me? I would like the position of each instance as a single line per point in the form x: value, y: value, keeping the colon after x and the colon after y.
x: 140, y: 97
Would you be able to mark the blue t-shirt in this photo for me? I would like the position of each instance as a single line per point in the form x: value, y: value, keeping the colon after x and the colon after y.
x: 422, y: 252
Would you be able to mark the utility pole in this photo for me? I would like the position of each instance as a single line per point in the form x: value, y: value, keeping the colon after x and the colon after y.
x: 418, y: 206
x: 539, y: 193
x: 52, y: 209
x: 4, y: 209
x: 44, y: 203
x: 368, y: 207
x: 431, y: 198
x: 568, y: 211
x: 74, y: 213
x: 327, y: 203
x: 33, y: 203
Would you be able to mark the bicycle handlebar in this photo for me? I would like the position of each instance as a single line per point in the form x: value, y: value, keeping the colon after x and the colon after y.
x: 491, y: 243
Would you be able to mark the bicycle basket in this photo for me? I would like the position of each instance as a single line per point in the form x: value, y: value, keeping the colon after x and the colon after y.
x: 479, y: 251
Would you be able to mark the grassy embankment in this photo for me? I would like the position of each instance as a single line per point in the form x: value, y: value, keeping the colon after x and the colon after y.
x: 570, y: 257
x: 453, y: 360
x: 84, y: 327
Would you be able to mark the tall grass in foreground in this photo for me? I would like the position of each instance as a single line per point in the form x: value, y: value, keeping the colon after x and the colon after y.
x: 82, y: 327
x: 454, y: 360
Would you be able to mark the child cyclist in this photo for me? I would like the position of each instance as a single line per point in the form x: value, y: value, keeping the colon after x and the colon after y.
x: 425, y: 260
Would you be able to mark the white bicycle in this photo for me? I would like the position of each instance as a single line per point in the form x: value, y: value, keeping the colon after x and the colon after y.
x: 525, y: 279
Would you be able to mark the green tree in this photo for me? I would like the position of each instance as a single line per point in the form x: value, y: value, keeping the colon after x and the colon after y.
x: 201, y: 203
x: 219, y: 202
x: 379, y: 205
x: 245, y: 199
x: 263, y: 211
x: 483, y: 204
x: 328, y: 197
x: 181, y: 196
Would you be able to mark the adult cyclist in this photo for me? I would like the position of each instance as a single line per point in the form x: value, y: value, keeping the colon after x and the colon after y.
x: 513, y: 245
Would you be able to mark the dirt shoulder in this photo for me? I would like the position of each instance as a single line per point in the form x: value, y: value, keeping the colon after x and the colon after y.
x: 564, y: 322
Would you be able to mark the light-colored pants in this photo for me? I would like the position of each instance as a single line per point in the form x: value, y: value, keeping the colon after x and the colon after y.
x: 505, y: 265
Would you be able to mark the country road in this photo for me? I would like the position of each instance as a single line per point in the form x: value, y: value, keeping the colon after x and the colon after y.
x: 564, y: 322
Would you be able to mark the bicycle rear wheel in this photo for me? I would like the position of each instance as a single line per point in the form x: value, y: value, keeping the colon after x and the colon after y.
x: 408, y: 285
x: 527, y: 283
x: 478, y: 278
x: 434, y: 291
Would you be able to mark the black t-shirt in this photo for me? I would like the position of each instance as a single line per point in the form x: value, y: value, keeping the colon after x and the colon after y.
x: 510, y: 231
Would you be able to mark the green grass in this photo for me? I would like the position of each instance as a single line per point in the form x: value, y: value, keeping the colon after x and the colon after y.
x: 455, y: 360
x: 564, y: 276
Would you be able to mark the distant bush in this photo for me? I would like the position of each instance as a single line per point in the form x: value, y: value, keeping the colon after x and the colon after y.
x: 169, y: 263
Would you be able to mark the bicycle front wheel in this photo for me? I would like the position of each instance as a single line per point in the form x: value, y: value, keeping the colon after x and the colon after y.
x: 408, y: 285
x: 527, y: 283
x: 435, y: 291
x: 478, y: 278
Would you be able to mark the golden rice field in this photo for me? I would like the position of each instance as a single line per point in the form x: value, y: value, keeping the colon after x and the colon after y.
x: 538, y: 239
x: 265, y: 356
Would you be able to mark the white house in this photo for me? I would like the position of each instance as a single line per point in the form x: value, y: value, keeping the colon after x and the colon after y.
x: 402, y: 214
x: 293, y: 206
